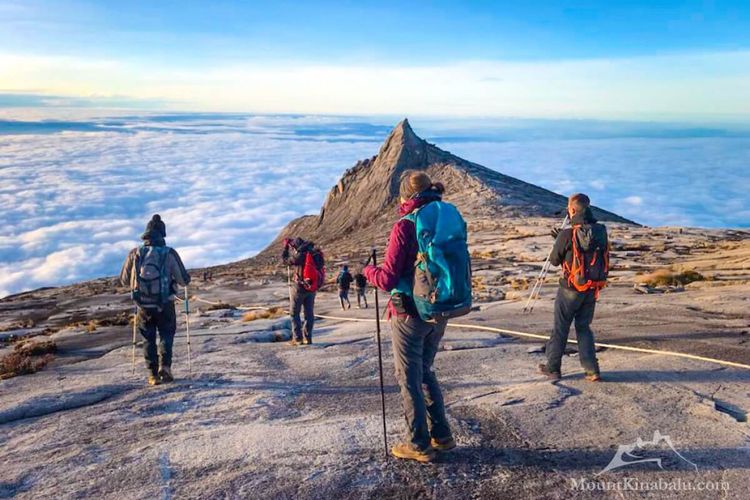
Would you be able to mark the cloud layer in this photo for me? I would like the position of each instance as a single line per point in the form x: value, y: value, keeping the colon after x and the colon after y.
x: 75, y: 196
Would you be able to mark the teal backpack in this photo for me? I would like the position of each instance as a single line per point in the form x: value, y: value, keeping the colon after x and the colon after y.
x: 442, y: 274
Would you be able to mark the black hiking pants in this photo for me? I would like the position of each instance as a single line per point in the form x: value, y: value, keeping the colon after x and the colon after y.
x: 573, y: 306
x: 302, y: 301
x: 344, y: 297
x: 361, y: 296
x: 151, y: 322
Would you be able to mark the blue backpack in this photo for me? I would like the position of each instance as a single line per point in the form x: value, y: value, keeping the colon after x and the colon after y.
x: 442, y: 274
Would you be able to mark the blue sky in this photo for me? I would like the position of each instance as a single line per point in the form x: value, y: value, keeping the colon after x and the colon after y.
x: 625, y: 59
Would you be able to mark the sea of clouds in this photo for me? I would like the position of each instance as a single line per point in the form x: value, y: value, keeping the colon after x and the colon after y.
x: 75, y: 195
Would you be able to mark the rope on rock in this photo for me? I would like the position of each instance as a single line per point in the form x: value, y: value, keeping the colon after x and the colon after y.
x: 528, y: 335
x: 545, y: 337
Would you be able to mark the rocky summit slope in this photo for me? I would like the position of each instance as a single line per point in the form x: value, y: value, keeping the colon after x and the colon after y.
x: 258, y: 418
x: 361, y: 207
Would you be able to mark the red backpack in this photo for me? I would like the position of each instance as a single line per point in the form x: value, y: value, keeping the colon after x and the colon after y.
x: 313, y: 271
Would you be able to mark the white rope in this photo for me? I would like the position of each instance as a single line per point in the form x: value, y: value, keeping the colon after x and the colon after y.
x: 545, y: 337
x: 534, y: 336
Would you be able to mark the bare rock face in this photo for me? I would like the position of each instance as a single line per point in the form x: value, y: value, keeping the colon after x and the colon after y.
x: 361, y: 207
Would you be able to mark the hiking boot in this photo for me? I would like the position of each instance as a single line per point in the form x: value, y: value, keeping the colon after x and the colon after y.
x: 165, y: 374
x: 294, y: 342
x: 409, y: 452
x: 306, y: 341
x: 443, y: 444
x: 544, y: 370
x: 593, y: 377
x: 153, y: 380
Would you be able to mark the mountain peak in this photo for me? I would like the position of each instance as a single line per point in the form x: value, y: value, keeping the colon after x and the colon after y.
x: 361, y: 207
x: 404, y: 130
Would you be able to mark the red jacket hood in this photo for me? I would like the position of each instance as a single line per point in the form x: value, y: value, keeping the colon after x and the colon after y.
x: 409, y: 206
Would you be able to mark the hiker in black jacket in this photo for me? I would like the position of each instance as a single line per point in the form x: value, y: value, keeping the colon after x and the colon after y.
x: 344, y: 281
x: 360, y: 288
x: 585, y: 264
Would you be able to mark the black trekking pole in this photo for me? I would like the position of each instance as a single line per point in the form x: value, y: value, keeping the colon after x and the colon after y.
x: 135, y: 329
x: 380, y: 358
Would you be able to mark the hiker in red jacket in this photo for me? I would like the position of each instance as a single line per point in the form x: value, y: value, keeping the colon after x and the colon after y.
x: 302, y: 289
x: 415, y: 341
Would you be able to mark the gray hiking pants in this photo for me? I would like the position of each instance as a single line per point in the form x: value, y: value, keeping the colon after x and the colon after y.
x: 302, y: 300
x: 151, y: 321
x: 415, y: 343
x: 571, y: 305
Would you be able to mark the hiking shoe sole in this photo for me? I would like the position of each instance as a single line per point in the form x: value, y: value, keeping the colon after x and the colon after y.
x: 593, y: 377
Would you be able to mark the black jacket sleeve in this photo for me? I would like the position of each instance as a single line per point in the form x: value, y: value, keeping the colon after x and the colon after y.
x: 561, y: 247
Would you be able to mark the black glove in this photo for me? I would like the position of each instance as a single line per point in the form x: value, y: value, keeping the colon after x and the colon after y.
x: 555, y: 232
x: 285, y: 254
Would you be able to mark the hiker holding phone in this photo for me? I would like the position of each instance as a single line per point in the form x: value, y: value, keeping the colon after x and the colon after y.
x: 309, y: 275
x: 583, y: 252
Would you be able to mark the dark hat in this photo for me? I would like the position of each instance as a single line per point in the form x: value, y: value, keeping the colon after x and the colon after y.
x: 155, y: 227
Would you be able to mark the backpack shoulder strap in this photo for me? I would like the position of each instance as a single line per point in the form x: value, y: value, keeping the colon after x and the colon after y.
x: 165, y: 251
x: 412, y: 216
x: 140, y: 254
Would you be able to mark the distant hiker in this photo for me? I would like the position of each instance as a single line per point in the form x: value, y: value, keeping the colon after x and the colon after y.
x: 583, y: 252
x: 344, y: 281
x: 415, y: 338
x: 360, y: 288
x: 309, y: 275
x: 205, y: 275
x: 153, y: 271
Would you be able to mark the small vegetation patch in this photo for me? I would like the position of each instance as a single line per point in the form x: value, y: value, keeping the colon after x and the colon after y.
x: 31, y: 348
x: 19, y: 325
x: 668, y: 277
x: 27, y: 358
x: 519, y: 283
x: 270, y: 313
x: 122, y: 318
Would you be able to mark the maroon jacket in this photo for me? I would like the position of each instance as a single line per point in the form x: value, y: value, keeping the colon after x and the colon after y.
x: 401, y: 253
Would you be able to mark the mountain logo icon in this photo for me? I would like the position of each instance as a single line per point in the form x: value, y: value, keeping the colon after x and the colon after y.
x: 632, y: 454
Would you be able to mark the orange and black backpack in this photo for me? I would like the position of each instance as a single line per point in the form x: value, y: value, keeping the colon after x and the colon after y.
x: 589, y: 268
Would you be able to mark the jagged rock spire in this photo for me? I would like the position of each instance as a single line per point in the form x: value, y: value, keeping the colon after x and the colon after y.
x: 361, y: 207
